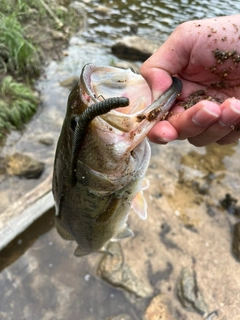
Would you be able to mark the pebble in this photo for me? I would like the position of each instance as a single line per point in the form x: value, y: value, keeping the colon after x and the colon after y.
x: 157, y: 310
x: 22, y: 165
x: 134, y: 48
x: 189, y: 293
x: 115, y: 271
x: 46, y: 139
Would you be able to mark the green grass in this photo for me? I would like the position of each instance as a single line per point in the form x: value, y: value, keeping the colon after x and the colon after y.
x: 17, y: 55
x: 17, y: 105
x: 20, y: 54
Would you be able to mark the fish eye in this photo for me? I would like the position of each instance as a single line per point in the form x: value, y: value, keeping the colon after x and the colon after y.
x: 73, y: 124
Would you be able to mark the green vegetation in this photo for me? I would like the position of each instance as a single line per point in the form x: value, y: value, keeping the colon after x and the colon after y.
x: 17, y: 104
x: 24, y: 29
x: 17, y: 54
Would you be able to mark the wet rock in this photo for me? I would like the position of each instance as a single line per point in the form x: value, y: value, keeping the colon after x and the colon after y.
x: 134, y: 48
x: 120, y: 317
x: 114, y: 270
x: 47, y: 140
x: 236, y: 241
x: 157, y: 310
x: 189, y: 294
x: 69, y: 82
x: 133, y: 27
x: 230, y: 204
x: 22, y: 165
x: 127, y: 65
x: 103, y: 10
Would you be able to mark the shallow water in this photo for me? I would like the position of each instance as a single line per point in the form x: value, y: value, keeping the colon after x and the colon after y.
x: 40, y: 278
x: 155, y: 19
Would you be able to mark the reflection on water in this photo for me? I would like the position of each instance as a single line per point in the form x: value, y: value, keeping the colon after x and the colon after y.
x: 25, y: 240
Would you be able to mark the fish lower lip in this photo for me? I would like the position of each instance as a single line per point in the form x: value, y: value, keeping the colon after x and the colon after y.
x: 154, y: 112
x: 165, y: 101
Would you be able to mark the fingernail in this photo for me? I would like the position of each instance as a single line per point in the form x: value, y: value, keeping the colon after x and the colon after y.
x: 204, y: 116
x: 229, y: 119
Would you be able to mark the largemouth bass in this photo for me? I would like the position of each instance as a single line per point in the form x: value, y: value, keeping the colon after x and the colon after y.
x: 103, y: 154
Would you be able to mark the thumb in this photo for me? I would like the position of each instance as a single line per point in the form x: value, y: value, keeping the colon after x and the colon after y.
x: 170, y: 59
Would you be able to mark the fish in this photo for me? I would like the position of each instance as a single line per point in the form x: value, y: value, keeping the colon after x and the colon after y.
x: 103, y: 153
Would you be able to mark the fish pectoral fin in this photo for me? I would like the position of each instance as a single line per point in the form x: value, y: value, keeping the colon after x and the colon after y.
x: 110, y: 208
x: 62, y: 231
x: 125, y: 233
x: 139, y: 205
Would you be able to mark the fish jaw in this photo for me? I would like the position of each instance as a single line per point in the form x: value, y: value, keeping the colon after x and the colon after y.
x: 131, y: 123
x: 103, y: 82
x: 111, y: 139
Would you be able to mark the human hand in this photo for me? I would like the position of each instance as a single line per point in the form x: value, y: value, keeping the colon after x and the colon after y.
x: 205, y: 55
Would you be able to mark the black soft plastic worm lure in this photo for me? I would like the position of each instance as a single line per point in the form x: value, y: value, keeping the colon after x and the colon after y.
x: 81, y: 124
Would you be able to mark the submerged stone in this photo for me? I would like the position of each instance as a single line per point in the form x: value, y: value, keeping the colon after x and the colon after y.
x: 22, y: 165
x: 189, y: 293
x: 134, y: 48
x: 115, y: 271
x: 46, y: 139
x: 157, y: 310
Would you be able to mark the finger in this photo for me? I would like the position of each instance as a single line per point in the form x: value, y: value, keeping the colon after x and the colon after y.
x: 230, y: 117
x: 195, y: 120
x: 232, y: 137
x: 172, y: 56
x: 212, y: 134
x: 230, y: 112
x: 215, y: 132
x: 162, y: 133
x: 158, y: 80
x: 169, y: 59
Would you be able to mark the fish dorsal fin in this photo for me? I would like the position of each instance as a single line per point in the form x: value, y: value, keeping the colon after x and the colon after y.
x: 125, y: 233
x: 62, y: 231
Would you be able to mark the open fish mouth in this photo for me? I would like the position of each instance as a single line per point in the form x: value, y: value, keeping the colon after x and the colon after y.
x: 118, y: 109
x: 103, y: 83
